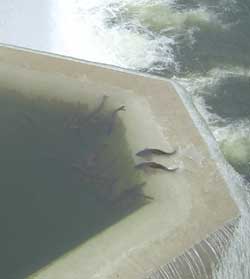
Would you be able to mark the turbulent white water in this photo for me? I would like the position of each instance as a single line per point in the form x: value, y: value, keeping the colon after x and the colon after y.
x: 84, y: 23
x: 140, y: 35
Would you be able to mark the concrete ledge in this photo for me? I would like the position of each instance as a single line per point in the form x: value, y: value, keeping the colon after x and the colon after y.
x: 188, y: 204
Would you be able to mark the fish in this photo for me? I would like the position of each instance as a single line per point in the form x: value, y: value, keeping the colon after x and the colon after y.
x: 148, y: 197
x: 154, y: 151
x: 113, y: 119
x: 99, y: 108
x: 28, y: 118
x: 121, y: 108
x: 132, y: 195
x: 138, y: 187
x: 153, y: 165
x: 134, y: 190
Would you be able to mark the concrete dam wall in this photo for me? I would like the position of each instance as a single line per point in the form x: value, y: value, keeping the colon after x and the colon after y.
x: 187, y: 193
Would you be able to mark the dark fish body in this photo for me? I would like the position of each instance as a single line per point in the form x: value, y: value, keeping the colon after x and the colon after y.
x: 99, y: 108
x: 139, y: 185
x: 148, y: 197
x: 153, y: 165
x: 135, y: 189
x: 121, y: 108
x: 133, y: 193
x: 153, y: 151
x: 113, y: 119
x: 28, y: 118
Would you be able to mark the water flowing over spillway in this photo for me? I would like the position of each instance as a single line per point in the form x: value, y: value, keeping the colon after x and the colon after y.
x: 204, y: 45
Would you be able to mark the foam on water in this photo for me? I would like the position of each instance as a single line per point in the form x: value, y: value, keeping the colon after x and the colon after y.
x: 159, y: 16
x: 131, y: 34
x: 236, y: 262
x: 232, y: 134
x: 115, y: 45
x: 234, y: 140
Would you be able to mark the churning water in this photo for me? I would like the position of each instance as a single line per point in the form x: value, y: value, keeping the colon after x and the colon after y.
x: 203, y: 44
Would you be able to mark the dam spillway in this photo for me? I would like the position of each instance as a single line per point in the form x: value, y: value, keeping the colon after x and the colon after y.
x: 186, y: 206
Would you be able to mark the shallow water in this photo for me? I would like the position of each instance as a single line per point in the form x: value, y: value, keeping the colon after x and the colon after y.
x: 61, y: 167
x: 203, y: 44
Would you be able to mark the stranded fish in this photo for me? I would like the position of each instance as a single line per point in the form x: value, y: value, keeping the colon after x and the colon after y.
x: 153, y: 151
x: 99, y: 108
x: 113, y: 118
x: 137, y: 190
x: 132, y: 194
x: 153, y: 165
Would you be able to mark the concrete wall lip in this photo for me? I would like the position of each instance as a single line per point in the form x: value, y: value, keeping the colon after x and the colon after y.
x: 80, y: 60
x: 231, y: 177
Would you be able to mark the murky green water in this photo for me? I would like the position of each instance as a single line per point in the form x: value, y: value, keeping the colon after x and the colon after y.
x: 66, y: 174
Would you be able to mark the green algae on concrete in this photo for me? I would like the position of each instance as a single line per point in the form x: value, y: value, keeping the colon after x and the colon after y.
x: 64, y: 178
